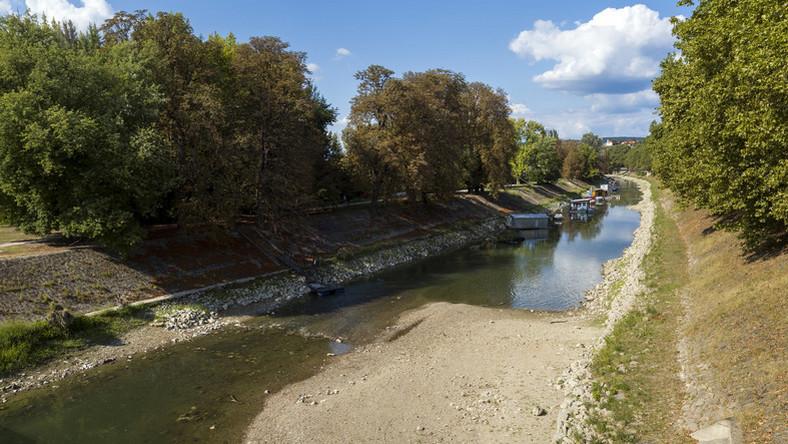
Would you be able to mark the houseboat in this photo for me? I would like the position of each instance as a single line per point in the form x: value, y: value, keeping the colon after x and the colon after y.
x: 583, y: 205
x: 528, y: 221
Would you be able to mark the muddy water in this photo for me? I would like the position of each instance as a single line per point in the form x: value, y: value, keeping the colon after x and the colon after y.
x: 209, y: 389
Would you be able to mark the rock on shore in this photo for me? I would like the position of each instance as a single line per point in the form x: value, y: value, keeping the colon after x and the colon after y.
x: 626, y: 276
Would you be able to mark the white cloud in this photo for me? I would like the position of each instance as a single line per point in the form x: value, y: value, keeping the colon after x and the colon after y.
x: 573, y: 123
x: 617, y: 51
x: 624, y: 103
x: 339, y: 125
x: 313, y: 67
x: 519, y: 109
x: 91, y: 11
x: 343, y: 52
x: 5, y: 7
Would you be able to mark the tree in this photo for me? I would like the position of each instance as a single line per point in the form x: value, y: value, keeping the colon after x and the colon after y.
x: 80, y: 151
x: 120, y: 27
x: 333, y: 183
x: 196, y: 81
x: 591, y: 140
x: 280, y: 121
x: 366, y: 137
x: 581, y: 163
x: 617, y: 156
x: 537, y: 157
x: 427, y: 135
x: 491, y: 139
x: 721, y: 144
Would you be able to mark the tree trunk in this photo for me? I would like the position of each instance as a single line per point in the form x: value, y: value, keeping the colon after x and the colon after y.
x: 261, y: 167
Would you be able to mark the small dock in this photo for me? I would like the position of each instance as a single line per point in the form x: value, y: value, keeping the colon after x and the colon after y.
x: 527, y: 221
x: 322, y: 290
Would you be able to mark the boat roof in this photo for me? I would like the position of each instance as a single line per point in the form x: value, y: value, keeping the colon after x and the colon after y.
x: 529, y: 215
x: 586, y: 199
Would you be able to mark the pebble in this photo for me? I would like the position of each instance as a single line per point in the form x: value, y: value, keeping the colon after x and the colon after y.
x: 538, y: 411
x: 579, y: 404
x: 277, y: 290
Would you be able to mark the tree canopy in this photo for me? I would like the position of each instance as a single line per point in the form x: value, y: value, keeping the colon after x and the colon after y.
x: 427, y: 133
x: 80, y: 148
x: 724, y: 109
x: 537, y: 158
x: 142, y: 121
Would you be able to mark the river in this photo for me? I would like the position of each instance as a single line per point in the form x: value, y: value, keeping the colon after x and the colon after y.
x: 209, y: 389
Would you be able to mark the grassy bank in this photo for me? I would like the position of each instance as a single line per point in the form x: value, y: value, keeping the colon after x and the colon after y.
x: 738, y: 327
x: 25, y: 344
x: 636, y: 371
x: 11, y: 234
x: 540, y: 198
x: 728, y: 308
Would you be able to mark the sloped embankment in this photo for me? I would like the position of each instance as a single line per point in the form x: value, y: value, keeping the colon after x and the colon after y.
x: 703, y: 343
x: 734, y: 345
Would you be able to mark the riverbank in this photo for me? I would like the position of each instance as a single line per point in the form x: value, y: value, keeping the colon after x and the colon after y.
x: 453, y: 373
x: 694, y: 359
x: 205, y: 312
x: 443, y: 373
x: 404, y: 235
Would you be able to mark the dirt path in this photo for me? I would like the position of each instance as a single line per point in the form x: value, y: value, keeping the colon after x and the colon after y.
x: 428, y: 380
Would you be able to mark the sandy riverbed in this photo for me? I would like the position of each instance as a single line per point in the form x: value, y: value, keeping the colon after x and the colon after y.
x: 444, y: 373
x: 456, y: 373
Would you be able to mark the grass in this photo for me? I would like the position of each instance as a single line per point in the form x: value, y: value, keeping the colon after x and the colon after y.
x: 11, y: 234
x: 535, y: 198
x: 739, y: 326
x: 735, y: 323
x: 636, y: 371
x: 24, y: 345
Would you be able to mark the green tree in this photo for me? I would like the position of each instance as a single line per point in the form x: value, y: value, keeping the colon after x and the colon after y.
x: 617, y: 156
x: 80, y: 151
x: 537, y: 158
x: 591, y: 140
x: 722, y: 141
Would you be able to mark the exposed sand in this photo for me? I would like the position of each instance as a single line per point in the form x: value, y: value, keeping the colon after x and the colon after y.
x: 458, y: 373
x: 430, y: 379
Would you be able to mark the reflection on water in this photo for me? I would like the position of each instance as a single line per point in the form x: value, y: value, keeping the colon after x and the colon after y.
x: 220, y: 380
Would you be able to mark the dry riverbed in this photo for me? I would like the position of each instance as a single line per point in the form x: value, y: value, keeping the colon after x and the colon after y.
x: 443, y: 373
x: 458, y: 373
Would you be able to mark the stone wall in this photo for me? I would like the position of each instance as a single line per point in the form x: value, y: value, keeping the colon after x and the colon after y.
x: 276, y: 290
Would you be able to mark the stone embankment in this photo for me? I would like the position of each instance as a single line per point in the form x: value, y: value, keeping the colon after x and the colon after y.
x: 613, y: 298
x: 202, y: 313
x: 271, y: 292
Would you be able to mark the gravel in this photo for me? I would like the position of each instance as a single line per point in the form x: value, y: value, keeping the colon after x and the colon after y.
x: 576, y: 381
x: 274, y: 291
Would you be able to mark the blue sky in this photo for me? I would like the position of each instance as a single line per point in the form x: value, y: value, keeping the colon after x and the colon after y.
x: 574, y: 65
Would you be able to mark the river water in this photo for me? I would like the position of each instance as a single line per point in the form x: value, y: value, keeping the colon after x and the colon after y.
x: 209, y: 390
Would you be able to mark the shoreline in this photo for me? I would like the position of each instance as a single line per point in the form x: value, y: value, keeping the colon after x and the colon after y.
x: 260, y: 297
x: 612, y: 298
x: 229, y: 305
x: 422, y: 382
